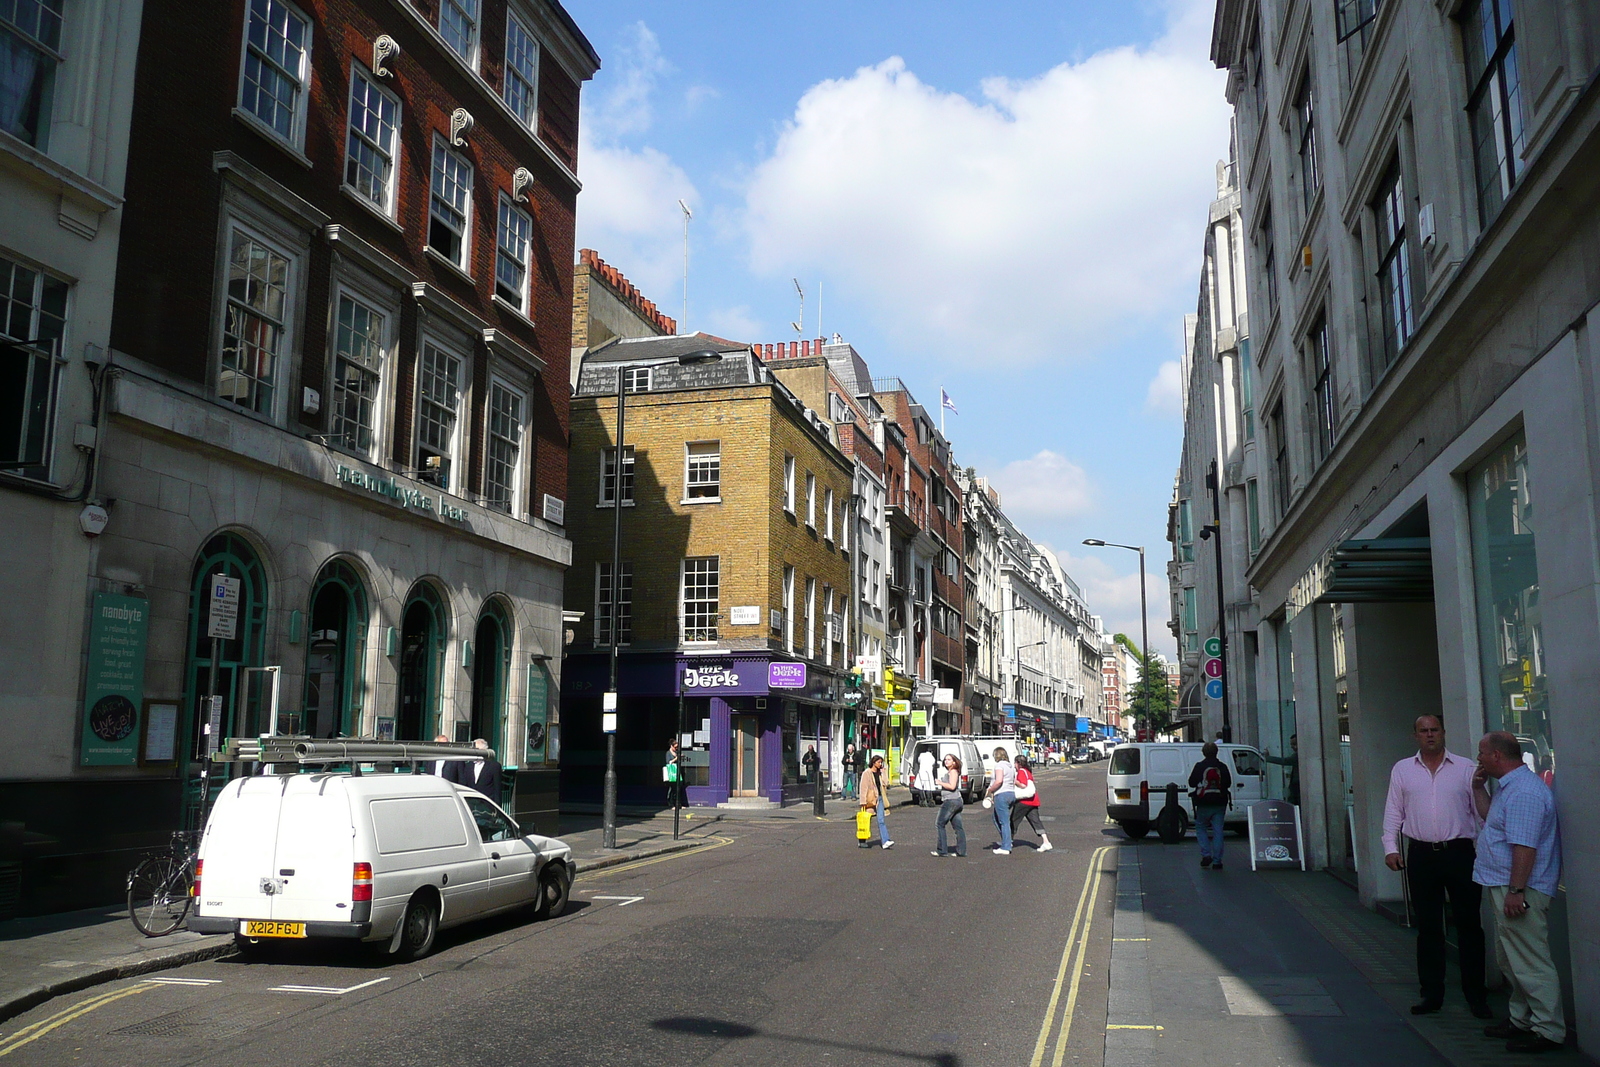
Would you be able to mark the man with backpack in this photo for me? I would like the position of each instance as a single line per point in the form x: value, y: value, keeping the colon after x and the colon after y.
x: 1209, y: 785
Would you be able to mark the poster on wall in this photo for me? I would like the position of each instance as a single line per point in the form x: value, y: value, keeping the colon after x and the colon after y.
x: 160, y: 733
x: 538, y: 706
x: 113, y: 687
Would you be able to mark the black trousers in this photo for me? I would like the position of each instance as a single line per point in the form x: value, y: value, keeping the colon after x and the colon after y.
x: 1434, y: 873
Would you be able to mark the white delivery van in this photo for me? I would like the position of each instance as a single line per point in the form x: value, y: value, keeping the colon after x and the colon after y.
x: 1137, y: 777
x: 387, y: 858
x: 974, y: 779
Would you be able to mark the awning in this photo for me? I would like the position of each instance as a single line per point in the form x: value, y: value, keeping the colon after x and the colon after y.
x: 1189, y: 706
x: 1379, y: 571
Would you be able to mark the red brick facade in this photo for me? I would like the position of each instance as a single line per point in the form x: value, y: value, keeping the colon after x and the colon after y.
x: 167, y: 309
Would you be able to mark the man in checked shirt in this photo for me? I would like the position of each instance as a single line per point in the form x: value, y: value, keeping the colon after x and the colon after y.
x: 1430, y: 801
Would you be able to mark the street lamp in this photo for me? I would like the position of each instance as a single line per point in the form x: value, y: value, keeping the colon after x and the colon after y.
x: 1144, y: 613
x: 608, y: 815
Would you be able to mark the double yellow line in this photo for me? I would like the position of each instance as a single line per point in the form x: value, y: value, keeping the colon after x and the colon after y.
x: 34, y: 1031
x: 1072, y: 957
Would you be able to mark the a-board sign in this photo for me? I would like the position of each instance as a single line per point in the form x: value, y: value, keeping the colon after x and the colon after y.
x: 1276, y: 842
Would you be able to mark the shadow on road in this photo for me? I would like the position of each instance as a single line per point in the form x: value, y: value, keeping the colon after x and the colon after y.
x: 702, y: 1026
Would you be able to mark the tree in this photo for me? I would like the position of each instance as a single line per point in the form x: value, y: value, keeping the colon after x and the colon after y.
x: 1153, y: 699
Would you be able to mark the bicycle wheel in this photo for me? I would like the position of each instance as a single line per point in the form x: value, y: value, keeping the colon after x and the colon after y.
x: 158, y: 895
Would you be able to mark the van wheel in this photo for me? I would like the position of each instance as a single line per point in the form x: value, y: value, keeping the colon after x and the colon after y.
x: 1134, y: 829
x: 554, y: 889
x: 418, y: 927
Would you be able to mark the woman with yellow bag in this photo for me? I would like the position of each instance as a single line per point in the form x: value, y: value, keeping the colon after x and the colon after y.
x: 874, y: 789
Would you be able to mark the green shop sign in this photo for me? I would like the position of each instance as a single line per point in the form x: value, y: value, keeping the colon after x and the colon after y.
x: 403, y: 495
x: 113, y: 688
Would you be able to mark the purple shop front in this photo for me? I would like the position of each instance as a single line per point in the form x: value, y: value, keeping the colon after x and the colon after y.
x: 759, y: 723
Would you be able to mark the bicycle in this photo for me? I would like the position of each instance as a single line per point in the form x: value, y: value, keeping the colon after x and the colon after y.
x: 160, y: 888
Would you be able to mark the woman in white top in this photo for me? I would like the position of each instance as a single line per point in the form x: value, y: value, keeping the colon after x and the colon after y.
x: 1002, y: 793
x: 924, y: 781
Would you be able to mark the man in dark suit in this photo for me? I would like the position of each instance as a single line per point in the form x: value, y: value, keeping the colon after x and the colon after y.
x: 480, y: 774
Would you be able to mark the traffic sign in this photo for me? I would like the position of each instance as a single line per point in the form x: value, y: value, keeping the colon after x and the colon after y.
x: 1214, y: 689
x: 224, y: 620
x: 1213, y: 647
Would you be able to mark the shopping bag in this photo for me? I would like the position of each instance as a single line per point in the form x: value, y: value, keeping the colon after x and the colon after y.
x: 863, y: 824
x: 669, y: 773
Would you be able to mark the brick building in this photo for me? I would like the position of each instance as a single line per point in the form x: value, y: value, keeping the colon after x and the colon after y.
x: 341, y: 332
x: 732, y: 602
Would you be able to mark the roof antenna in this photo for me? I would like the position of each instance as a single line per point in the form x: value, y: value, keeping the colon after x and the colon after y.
x: 799, y: 327
x: 683, y: 327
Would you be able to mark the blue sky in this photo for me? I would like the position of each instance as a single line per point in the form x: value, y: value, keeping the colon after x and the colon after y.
x: 1007, y: 200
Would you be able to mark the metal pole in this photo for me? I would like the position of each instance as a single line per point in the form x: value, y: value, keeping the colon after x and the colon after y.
x: 1214, y: 482
x: 677, y: 786
x: 1144, y: 649
x: 210, y: 743
x: 608, y: 816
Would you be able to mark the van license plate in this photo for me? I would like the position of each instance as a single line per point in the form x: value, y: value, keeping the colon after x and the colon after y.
x: 274, y: 929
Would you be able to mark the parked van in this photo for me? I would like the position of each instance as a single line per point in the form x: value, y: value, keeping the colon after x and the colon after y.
x: 386, y: 858
x: 1137, y: 777
x: 974, y: 779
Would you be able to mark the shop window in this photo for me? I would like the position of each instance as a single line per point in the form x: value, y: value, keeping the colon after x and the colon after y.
x: 1500, y: 506
x: 255, y: 324
x: 701, y: 591
x: 522, y: 72
x: 702, y: 475
x: 358, y: 351
x: 33, y: 311
x: 336, y: 653
x: 277, y: 55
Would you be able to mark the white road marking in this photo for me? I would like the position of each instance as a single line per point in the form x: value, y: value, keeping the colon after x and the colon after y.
x: 185, y: 981
x: 625, y: 900
x: 325, y: 990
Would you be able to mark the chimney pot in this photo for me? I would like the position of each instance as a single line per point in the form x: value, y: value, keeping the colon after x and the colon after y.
x: 805, y: 348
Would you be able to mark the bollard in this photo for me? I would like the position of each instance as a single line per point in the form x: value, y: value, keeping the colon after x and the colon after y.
x: 1169, y: 824
x: 817, y: 799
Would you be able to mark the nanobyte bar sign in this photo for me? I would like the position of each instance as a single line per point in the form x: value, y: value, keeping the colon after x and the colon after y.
x: 405, y: 496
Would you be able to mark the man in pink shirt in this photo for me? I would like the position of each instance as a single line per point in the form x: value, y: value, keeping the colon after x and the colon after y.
x: 1430, y: 801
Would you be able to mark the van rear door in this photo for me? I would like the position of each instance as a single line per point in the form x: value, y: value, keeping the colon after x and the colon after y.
x: 237, y: 849
x: 314, y: 862
x: 1249, y: 778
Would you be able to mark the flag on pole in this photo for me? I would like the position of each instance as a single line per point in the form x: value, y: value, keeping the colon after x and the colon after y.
x: 945, y: 401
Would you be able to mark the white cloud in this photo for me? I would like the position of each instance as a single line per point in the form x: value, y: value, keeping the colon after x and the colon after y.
x: 734, y: 323
x: 1043, y: 220
x: 628, y: 209
x: 1165, y: 395
x: 1044, y: 486
x: 1114, y: 595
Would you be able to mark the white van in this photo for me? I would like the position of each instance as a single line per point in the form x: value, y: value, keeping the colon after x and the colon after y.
x: 1137, y: 777
x: 378, y: 857
x: 974, y: 779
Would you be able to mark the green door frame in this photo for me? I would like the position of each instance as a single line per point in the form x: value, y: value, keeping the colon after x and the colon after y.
x: 352, y: 638
x: 424, y: 593
x: 494, y: 613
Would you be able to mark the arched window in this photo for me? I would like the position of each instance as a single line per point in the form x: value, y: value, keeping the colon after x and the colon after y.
x: 230, y: 555
x: 422, y: 639
x: 335, y: 653
x: 491, y: 668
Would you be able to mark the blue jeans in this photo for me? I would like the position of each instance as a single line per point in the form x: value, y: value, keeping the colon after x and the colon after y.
x: 850, y: 778
x: 883, y: 823
x: 1002, y: 817
x: 1208, y: 828
x: 950, y: 812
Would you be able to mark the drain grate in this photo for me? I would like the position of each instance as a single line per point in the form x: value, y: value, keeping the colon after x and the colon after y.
x: 211, y: 1020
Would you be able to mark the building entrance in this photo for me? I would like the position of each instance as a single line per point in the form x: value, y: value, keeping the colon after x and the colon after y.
x: 746, y: 748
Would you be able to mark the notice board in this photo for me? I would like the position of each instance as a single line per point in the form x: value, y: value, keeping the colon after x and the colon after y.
x: 113, y: 686
x: 1276, y: 842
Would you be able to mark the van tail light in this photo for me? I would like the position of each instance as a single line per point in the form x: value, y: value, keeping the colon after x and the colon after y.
x: 1144, y: 792
x: 361, y: 883
x: 194, y: 886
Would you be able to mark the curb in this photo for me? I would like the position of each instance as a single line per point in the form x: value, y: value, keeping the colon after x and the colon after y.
x: 618, y: 858
x: 32, y: 997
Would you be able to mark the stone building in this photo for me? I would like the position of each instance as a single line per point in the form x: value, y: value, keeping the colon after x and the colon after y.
x: 64, y: 123
x: 1420, y: 227
x: 732, y: 602
x: 336, y: 379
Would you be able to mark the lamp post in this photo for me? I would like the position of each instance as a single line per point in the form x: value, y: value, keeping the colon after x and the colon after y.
x: 1144, y: 612
x: 608, y: 809
x: 1215, y: 527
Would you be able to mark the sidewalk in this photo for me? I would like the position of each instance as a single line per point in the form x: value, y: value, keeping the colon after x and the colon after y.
x: 1268, y: 968
x: 52, y: 955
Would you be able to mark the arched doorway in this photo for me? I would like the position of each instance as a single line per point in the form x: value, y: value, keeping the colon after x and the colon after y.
x: 491, y: 663
x: 422, y: 638
x: 335, y: 653
x: 231, y: 555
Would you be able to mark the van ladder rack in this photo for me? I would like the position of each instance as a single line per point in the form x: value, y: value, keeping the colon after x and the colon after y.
x: 311, y: 750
